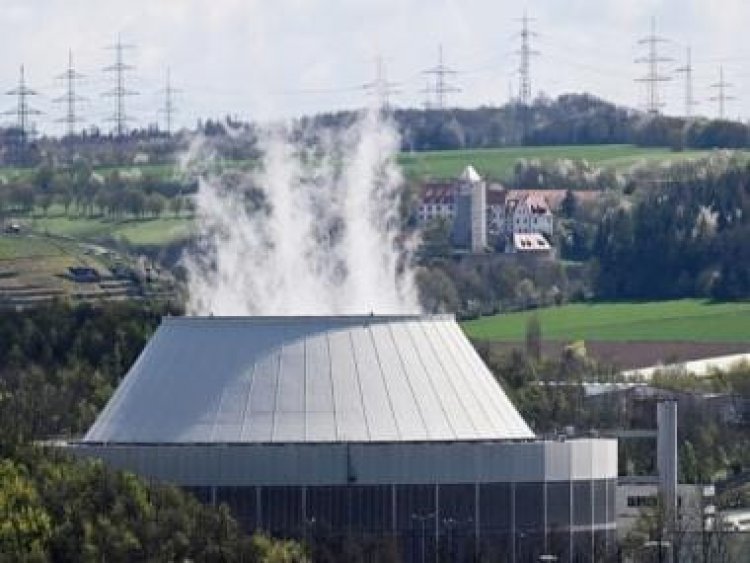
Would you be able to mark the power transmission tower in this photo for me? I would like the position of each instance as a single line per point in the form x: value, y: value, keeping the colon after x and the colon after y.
x: 525, y: 53
x: 442, y: 87
x: 687, y: 70
x: 381, y: 87
x: 427, y: 91
x: 119, y: 92
x: 722, y: 86
x: 169, y: 108
x: 71, y: 98
x: 653, y: 76
x: 23, y: 110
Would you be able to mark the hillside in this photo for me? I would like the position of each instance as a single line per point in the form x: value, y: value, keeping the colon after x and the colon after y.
x: 499, y: 163
x: 627, y: 335
x: 149, y: 231
x: 35, y: 269
x: 687, y: 319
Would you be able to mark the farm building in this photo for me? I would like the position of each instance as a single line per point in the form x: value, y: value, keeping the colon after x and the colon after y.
x: 370, y: 428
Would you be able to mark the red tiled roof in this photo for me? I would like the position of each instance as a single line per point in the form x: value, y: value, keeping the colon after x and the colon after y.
x: 555, y: 197
x: 435, y: 193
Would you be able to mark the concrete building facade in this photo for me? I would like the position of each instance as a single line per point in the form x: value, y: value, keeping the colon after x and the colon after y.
x: 371, y: 429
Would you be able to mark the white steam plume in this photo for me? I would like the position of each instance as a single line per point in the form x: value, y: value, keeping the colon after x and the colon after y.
x: 312, y: 231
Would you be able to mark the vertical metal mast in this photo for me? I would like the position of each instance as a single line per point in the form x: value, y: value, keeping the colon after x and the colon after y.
x: 525, y: 53
x: 687, y: 70
x: 170, y: 108
x: 71, y: 98
x: 119, y: 92
x: 722, y: 86
x: 442, y: 87
x: 22, y: 109
x: 653, y: 76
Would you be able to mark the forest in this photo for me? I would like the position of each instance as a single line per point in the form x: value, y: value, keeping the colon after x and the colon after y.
x: 685, y: 237
x: 58, y: 366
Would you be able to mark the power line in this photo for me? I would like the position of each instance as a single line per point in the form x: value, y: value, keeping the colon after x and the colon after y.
x: 381, y: 87
x: 22, y: 109
x: 71, y: 98
x: 687, y: 70
x: 442, y: 87
x: 525, y: 53
x: 427, y: 91
x: 119, y: 92
x: 722, y: 86
x: 653, y: 76
x: 169, y: 108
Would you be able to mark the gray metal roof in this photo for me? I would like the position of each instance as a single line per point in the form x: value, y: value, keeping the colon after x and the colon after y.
x: 308, y: 379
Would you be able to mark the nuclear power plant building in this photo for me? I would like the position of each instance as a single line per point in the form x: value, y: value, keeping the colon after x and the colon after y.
x: 373, y: 428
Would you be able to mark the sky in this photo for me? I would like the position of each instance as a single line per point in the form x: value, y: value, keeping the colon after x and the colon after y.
x: 269, y: 59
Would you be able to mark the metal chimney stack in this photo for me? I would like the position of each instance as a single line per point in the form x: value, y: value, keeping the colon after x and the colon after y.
x: 666, y: 454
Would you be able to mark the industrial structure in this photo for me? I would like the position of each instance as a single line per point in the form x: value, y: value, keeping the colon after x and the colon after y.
x: 369, y: 428
x: 120, y: 91
x: 441, y: 88
x: 23, y: 110
x: 71, y: 99
x: 653, y: 76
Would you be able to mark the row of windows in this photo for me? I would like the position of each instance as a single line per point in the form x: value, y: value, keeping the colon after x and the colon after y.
x: 639, y: 501
x: 649, y: 501
x: 535, y: 221
x: 463, y: 517
x: 381, y: 508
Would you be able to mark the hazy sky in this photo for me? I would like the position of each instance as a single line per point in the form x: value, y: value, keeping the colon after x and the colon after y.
x: 268, y: 58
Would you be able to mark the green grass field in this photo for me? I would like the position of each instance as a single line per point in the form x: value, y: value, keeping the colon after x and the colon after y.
x: 495, y: 163
x: 498, y: 163
x: 13, y: 247
x: 32, y: 255
x: 687, y: 319
x: 145, y: 232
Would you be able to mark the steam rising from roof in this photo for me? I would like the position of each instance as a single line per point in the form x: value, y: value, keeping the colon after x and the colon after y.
x: 310, y: 231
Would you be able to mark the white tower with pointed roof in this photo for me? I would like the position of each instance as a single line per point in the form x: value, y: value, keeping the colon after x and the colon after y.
x: 478, y: 191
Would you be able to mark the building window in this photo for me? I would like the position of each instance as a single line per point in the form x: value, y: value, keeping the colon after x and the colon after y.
x: 640, y: 501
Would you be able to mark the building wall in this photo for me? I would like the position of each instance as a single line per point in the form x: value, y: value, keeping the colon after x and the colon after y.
x: 511, y: 501
x: 524, y: 221
x: 478, y: 217
x: 633, y: 499
x: 363, y: 463
x: 461, y: 226
x: 573, y: 521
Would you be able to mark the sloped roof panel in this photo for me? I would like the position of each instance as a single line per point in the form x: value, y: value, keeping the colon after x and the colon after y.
x: 308, y: 379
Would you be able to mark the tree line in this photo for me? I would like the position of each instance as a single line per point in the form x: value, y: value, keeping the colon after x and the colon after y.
x: 59, y: 365
x: 686, y: 236
x: 80, y: 190
x: 570, y: 119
